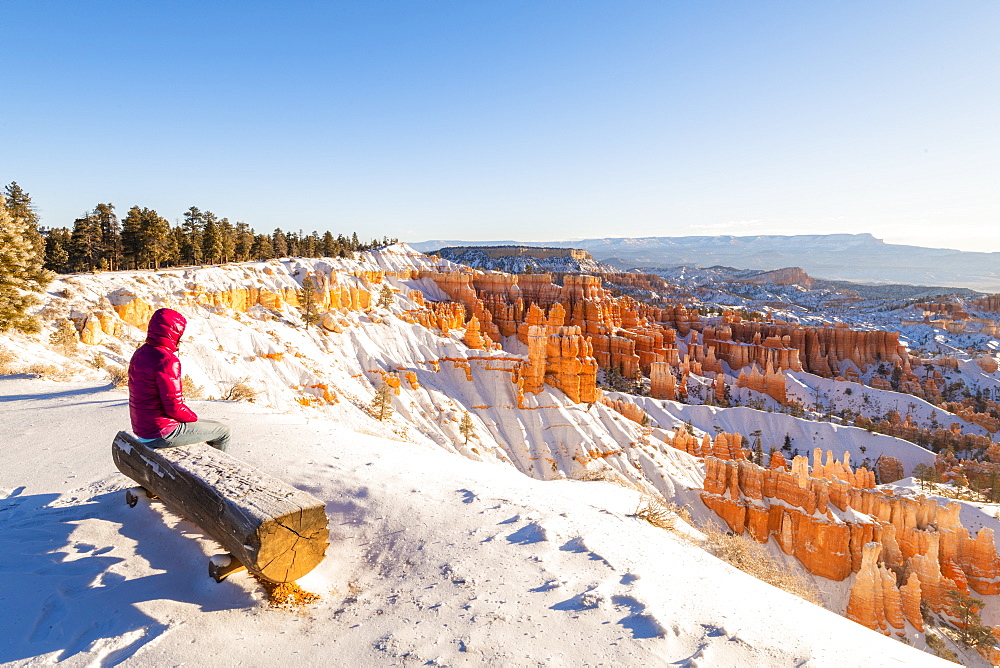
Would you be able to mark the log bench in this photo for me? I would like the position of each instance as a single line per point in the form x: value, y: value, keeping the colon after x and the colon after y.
x: 274, y: 530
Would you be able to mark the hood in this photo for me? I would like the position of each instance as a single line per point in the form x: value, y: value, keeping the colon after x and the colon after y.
x: 165, y: 329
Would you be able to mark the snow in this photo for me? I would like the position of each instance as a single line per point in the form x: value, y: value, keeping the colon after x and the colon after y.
x: 806, y: 435
x: 434, y: 559
x: 513, y: 548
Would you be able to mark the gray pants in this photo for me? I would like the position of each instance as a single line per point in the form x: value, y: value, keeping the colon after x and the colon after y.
x: 214, y: 433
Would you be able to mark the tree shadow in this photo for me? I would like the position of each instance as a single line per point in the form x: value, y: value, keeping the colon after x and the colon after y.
x: 42, y: 396
x: 65, y: 596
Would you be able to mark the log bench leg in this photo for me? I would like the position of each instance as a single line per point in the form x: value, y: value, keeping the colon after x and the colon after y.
x: 132, y: 495
x: 222, y: 566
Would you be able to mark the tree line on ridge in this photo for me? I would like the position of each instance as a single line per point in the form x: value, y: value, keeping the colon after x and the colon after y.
x: 143, y: 239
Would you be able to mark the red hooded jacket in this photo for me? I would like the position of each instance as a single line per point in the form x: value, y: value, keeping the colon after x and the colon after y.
x: 155, y: 399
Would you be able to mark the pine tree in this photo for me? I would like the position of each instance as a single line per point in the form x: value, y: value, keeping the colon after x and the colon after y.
x: 330, y: 247
x: 262, y: 248
x: 227, y: 241
x: 20, y: 207
x: 971, y: 630
x: 132, y: 238
x: 243, y: 242
x: 212, y: 241
x: 385, y: 296
x: 925, y: 475
x: 758, y: 448
x: 85, y: 244
x: 21, y: 269
x: 111, y: 238
x: 147, y: 240
x: 191, y: 251
x: 307, y: 302
x: 57, y: 242
x: 382, y: 402
x: 279, y: 243
x: 466, y: 428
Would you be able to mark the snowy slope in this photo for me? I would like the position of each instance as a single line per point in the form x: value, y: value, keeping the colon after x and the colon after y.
x: 435, y: 559
x: 550, y: 440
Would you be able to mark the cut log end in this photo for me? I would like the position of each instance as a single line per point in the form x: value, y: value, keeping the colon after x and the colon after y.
x: 292, y: 545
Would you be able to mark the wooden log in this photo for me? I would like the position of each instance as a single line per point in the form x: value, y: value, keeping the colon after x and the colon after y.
x: 275, y: 530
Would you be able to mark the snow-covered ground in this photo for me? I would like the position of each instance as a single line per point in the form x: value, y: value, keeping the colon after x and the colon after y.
x: 513, y: 547
x: 435, y: 559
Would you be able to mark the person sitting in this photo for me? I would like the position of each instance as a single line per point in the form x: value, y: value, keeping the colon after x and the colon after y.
x: 160, y: 418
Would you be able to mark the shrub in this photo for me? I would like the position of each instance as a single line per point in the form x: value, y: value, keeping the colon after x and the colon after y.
x: 239, y: 391
x: 118, y: 375
x: 656, y: 513
x: 191, y: 391
x: 750, y: 557
x: 98, y: 361
x: 47, y: 371
x: 936, y: 643
x: 64, y: 338
x: 7, y: 360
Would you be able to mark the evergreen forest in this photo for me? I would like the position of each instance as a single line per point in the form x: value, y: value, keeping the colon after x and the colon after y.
x: 142, y: 239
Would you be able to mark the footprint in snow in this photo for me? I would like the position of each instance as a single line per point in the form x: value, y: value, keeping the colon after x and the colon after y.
x: 638, y: 621
x: 577, y: 546
x: 528, y: 534
x: 588, y: 599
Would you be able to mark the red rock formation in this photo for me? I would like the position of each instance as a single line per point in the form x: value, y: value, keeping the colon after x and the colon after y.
x: 770, y: 382
x: 874, y: 600
x: 989, y: 303
x: 626, y: 409
x: 888, y: 469
x: 662, y: 384
x: 797, y: 508
x: 988, y: 364
x: 472, y: 337
x: 570, y: 364
x: 634, y: 337
x: 911, y: 597
x: 820, y: 349
x: 774, y: 351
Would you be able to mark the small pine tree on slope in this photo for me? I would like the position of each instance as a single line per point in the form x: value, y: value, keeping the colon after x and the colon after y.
x: 466, y: 428
x: 307, y: 302
x: 21, y: 271
x: 382, y: 402
x: 385, y: 297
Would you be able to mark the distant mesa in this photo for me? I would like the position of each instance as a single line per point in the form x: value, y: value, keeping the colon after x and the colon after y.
x: 496, y: 252
x: 785, y: 276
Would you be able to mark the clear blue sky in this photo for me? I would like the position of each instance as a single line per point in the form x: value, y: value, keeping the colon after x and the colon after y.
x: 531, y: 120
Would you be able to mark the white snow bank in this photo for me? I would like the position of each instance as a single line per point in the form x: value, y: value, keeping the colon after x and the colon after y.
x: 435, y: 559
